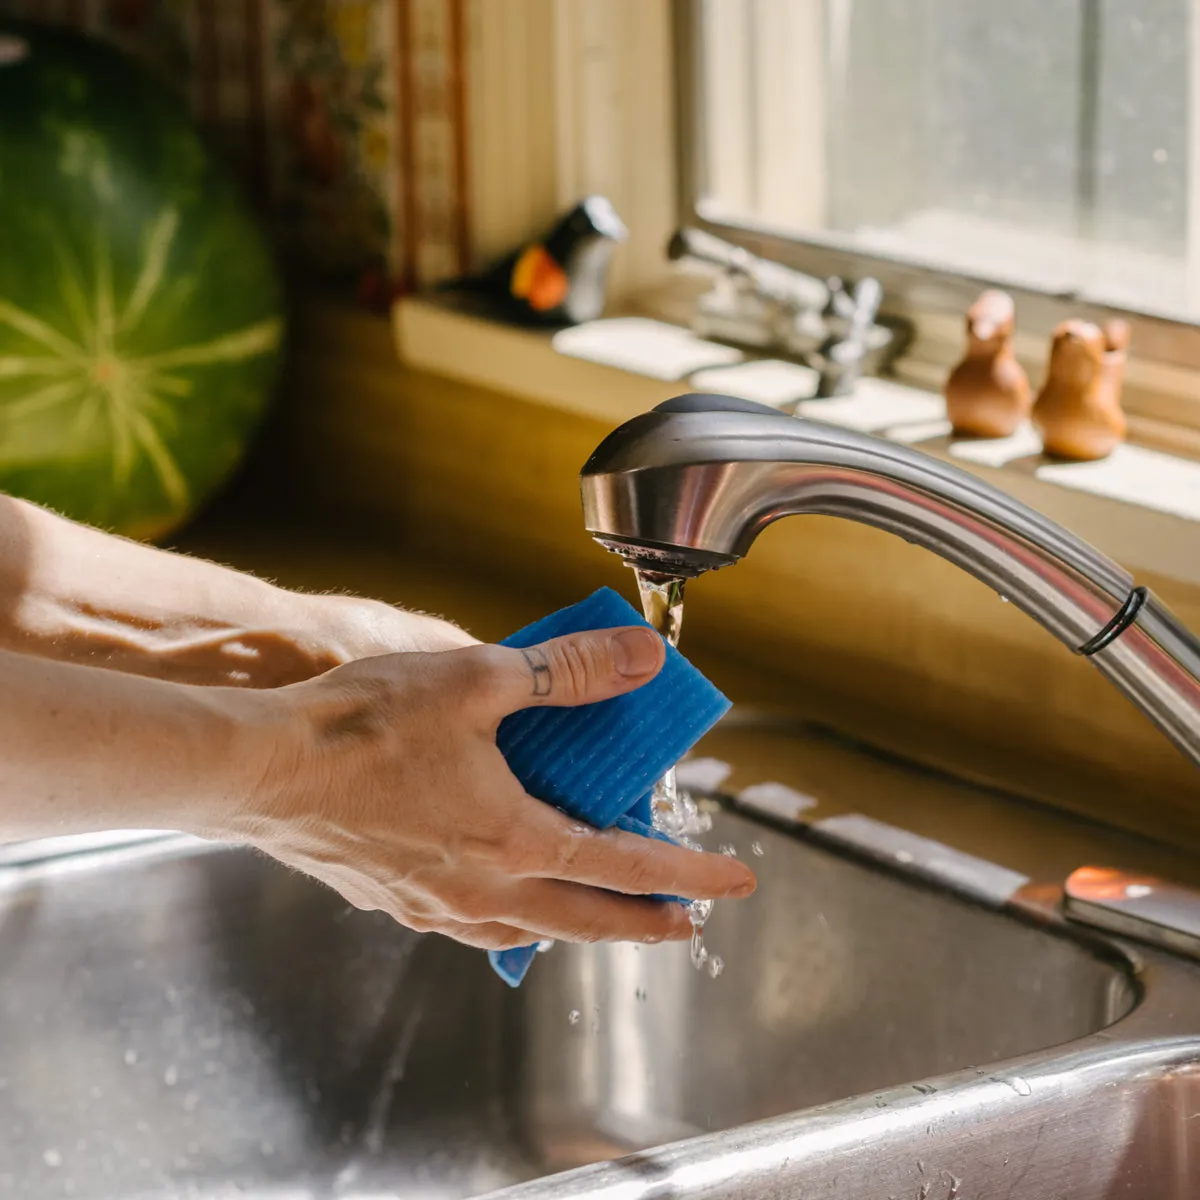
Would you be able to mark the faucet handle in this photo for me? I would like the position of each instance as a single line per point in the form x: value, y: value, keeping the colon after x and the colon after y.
x: 771, y: 281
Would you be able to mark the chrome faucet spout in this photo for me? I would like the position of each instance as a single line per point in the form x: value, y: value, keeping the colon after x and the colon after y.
x: 688, y: 487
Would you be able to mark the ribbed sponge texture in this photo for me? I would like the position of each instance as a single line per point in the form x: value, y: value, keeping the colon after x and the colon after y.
x: 596, y: 762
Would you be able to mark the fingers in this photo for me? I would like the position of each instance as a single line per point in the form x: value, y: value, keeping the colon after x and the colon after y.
x: 492, y: 935
x: 568, y: 912
x: 483, y: 935
x: 581, y: 668
x: 551, y: 846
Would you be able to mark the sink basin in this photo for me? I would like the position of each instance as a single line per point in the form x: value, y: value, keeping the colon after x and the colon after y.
x: 184, y: 1020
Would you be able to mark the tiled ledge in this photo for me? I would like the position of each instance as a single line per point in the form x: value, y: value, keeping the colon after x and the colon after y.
x: 1140, y: 506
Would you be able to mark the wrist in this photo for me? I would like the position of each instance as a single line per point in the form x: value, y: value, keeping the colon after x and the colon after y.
x: 258, y: 738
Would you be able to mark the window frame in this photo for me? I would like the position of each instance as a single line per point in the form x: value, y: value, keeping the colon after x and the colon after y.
x: 927, y: 294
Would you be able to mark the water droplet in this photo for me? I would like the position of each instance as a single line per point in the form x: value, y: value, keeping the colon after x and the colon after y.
x: 171, y: 1075
x: 728, y: 850
x: 699, y: 911
x: 1160, y: 156
x: 716, y: 964
x: 926, y: 1089
x: 130, y: 1057
x: 640, y: 993
x: 756, y: 849
x: 955, y: 1184
x: 699, y: 953
x: 191, y: 1102
x: 573, y: 1016
x: 52, y: 1158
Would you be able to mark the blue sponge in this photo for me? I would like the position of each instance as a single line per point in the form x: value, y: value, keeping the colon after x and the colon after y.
x: 599, y: 763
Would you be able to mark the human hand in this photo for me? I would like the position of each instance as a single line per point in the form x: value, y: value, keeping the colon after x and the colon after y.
x: 299, y: 636
x: 354, y: 628
x: 386, y: 784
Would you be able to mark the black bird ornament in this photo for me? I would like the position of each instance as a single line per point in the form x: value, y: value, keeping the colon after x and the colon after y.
x: 559, y: 279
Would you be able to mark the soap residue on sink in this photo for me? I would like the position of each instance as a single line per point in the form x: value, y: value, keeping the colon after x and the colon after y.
x: 674, y: 811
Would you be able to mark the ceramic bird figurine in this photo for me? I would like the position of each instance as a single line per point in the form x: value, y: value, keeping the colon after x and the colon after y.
x: 559, y: 279
x: 987, y: 394
x: 1078, y: 410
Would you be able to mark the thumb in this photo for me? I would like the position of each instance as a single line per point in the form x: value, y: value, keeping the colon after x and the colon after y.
x: 580, y: 668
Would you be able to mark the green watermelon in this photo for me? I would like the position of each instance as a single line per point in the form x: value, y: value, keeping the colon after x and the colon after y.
x: 140, y: 310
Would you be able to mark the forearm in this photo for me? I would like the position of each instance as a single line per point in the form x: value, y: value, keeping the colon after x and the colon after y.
x: 88, y: 750
x: 75, y: 594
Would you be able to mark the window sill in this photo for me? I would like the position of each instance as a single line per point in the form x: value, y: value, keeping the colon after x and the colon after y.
x: 1141, y: 507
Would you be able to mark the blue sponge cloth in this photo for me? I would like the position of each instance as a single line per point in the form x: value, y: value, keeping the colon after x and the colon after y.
x: 598, y: 763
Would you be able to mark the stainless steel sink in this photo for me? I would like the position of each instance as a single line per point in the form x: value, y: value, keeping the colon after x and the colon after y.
x: 181, y: 1020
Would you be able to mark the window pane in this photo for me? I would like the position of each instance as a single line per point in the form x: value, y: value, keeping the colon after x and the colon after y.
x: 1037, y: 142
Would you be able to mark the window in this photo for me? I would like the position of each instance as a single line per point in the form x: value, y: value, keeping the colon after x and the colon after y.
x: 1050, y: 146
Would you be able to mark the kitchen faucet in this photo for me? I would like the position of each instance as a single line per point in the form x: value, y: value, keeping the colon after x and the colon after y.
x: 687, y: 488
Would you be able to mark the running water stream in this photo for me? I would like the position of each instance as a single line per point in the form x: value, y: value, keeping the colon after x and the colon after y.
x: 674, y: 812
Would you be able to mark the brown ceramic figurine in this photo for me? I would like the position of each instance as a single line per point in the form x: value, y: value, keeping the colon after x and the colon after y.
x: 1078, y: 409
x: 987, y: 394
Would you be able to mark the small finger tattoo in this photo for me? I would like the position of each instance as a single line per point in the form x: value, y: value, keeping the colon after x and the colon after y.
x: 540, y: 669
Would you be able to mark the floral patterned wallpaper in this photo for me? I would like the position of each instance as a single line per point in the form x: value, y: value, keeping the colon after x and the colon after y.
x: 347, y: 119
